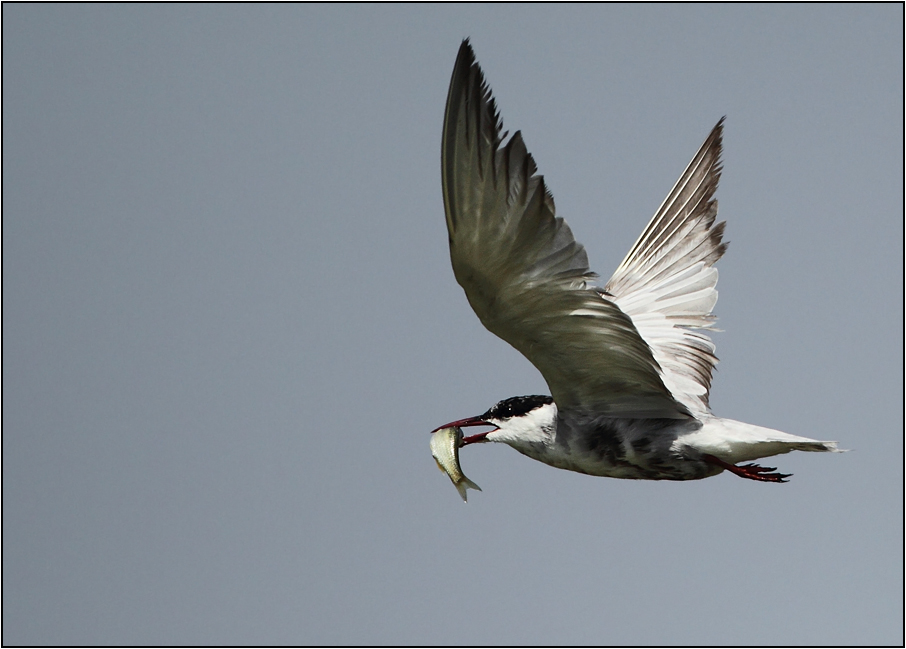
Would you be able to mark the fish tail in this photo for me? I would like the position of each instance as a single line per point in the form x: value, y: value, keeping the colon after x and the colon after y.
x: 464, y: 484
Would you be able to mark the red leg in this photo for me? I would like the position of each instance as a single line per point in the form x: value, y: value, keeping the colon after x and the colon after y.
x: 750, y: 471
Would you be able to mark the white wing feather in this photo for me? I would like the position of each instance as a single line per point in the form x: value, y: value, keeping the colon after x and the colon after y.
x: 667, y: 282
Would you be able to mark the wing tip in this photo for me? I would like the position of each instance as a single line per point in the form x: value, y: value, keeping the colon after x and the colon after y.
x: 469, y: 89
x: 471, y: 116
x: 466, y: 53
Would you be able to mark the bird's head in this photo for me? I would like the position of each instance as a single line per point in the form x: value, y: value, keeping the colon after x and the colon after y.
x: 517, y: 419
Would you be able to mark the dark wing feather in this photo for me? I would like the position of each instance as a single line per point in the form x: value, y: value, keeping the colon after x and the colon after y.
x: 523, y: 272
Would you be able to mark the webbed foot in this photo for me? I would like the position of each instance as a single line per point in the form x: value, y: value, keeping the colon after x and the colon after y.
x: 750, y: 471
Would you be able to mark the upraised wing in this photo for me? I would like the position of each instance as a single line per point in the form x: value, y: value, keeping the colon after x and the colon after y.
x: 523, y: 272
x: 667, y: 282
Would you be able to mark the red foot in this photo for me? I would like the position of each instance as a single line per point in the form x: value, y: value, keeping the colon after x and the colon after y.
x: 750, y: 471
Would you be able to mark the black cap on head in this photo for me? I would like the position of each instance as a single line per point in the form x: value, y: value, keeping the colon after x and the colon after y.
x: 516, y: 406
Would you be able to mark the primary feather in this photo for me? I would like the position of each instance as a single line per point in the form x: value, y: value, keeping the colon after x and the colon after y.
x: 666, y: 283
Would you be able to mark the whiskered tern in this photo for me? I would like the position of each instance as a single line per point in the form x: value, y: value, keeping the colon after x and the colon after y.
x: 628, y: 365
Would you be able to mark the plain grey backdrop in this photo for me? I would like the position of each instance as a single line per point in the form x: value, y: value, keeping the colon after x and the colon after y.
x: 229, y: 322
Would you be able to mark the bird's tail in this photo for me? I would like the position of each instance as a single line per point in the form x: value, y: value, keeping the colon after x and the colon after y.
x: 734, y: 441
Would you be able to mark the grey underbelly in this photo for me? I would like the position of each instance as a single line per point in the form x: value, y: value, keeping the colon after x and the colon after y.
x: 619, y: 448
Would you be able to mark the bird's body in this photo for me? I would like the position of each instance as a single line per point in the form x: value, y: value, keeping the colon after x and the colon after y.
x: 641, y: 449
x: 628, y: 366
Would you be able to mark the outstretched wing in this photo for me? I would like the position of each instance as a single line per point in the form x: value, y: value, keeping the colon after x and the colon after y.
x: 667, y: 282
x: 523, y: 272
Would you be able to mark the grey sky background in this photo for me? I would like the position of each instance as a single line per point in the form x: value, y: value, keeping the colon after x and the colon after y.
x: 229, y: 322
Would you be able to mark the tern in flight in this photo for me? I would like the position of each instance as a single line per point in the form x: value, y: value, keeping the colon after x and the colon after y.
x: 628, y: 365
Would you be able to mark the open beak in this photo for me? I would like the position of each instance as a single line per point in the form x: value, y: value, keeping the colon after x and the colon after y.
x: 465, y: 423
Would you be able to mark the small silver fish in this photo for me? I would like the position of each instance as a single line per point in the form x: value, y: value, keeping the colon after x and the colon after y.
x: 445, y: 445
